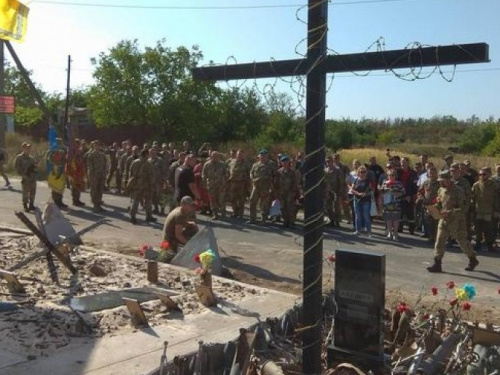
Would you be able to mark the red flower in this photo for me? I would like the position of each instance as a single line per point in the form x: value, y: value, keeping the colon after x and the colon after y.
x: 434, y: 291
x: 466, y: 306
x: 453, y: 301
x: 331, y: 259
x: 450, y: 284
x: 197, y: 258
x: 165, y: 245
x: 425, y: 316
x: 402, y: 307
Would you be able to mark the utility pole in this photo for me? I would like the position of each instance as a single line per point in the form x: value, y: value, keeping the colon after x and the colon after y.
x: 67, y: 130
x: 3, y: 120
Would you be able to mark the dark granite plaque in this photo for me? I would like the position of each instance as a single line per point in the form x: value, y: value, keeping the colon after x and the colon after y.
x: 360, y: 298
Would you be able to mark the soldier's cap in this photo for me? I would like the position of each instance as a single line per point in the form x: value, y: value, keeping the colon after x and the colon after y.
x: 187, y: 200
x: 447, y: 157
x: 263, y: 152
x: 26, y: 144
x: 329, y: 158
x: 336, y: 155
x: 467, y: 162
x: 486, y: 169
x: 444, y: 175
x: 455, y: 166
x: 284, y: 158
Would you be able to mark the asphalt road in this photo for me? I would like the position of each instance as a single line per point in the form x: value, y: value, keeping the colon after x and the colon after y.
x: 271, y: 253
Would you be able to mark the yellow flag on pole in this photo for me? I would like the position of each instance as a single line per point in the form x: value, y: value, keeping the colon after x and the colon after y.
x: 13, y: 20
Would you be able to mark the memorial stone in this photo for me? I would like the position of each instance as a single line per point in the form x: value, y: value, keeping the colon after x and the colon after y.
x: 360, y: 298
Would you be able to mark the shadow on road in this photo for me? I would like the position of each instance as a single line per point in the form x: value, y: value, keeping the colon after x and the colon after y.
x: 235, y: 263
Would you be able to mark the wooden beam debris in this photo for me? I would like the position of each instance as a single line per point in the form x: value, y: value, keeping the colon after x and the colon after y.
x: 65, y: 260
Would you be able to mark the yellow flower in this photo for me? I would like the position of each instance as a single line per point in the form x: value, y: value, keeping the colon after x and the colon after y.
x: 461, y: 295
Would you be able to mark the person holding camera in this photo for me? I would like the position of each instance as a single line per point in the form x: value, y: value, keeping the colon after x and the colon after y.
x: 25, y: 166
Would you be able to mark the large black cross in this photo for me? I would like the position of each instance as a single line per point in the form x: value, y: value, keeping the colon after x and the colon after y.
x: 315, y: 66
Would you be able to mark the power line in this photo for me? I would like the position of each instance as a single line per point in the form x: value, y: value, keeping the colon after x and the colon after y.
x: 235, y: 7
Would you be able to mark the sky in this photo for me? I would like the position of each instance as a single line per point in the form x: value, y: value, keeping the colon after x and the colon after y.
x: 243, y: 31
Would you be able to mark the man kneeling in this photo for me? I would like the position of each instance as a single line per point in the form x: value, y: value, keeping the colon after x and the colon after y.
x: 180, y: 224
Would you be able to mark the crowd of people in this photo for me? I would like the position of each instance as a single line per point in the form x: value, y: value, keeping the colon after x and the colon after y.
x: 454, y: 203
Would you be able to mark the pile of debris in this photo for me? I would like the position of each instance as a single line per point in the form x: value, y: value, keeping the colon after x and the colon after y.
x: 38, y: 316
x: 437, y: 345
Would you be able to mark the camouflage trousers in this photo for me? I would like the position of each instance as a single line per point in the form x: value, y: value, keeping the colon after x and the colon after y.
x: 28, y: 190
x: 156, y: 195
x: 216, y: 196
x: 264, y: 196
x: 288, y: 208
x: 96, y: 190
x: 454, y: 227
x: 140, y: 196
x: 238, y: 196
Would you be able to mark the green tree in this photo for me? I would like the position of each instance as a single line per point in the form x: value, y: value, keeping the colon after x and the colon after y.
x: 240, y: 115
x: 27, y: 113
x: 154, y: 88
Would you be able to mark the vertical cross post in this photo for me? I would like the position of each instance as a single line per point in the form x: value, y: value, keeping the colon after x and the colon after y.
x: 313, y: 204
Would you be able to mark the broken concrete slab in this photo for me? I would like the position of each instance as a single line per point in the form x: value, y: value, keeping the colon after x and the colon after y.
x: 201, y: 241
x: 57, y: 227
x: 114, y: 298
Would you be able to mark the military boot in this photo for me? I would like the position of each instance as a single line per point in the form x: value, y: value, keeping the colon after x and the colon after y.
x: 26, y: 207
x: 436, y: 267
x: 473, y: 263
x: 31, y: 206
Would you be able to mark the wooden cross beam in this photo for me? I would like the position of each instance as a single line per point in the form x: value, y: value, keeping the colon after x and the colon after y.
x: 315, y: 66
x: 386, y: 60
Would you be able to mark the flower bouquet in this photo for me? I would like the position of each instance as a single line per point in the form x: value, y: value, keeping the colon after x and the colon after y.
x: 205, y: 259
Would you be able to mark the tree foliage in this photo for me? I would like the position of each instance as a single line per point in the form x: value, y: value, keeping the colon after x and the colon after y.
x: 153, y: 87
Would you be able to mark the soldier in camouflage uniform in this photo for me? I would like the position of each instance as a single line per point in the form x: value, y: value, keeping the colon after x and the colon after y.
x: 343, y: 201
x: 287, y: 191
x: 214, y: 177
x: 171, y: 178
x: 25, y: 166
x: 464, y: 184
x: 125, y: 152
x: 96, y: 167
x: 334, y: 191
x: 160, y: 178
x: 485, y: 205
x: 261, y: 174
x: 142, y: 179
x: 128, y: 162
x: 112, y: 152
x: 3, y: 160
x: 451, y: 203
x: 239, y: 183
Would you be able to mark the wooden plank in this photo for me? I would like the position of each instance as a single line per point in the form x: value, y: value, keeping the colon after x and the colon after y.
x: 383, y: 60
x: 206, y: 295
x: 13, y: 283
x: 138, y: 317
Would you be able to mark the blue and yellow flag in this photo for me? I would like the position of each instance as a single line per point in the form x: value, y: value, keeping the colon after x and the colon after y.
x: 13, y: 20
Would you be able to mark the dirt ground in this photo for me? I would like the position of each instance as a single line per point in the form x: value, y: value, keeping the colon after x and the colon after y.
x: 422, y: 299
